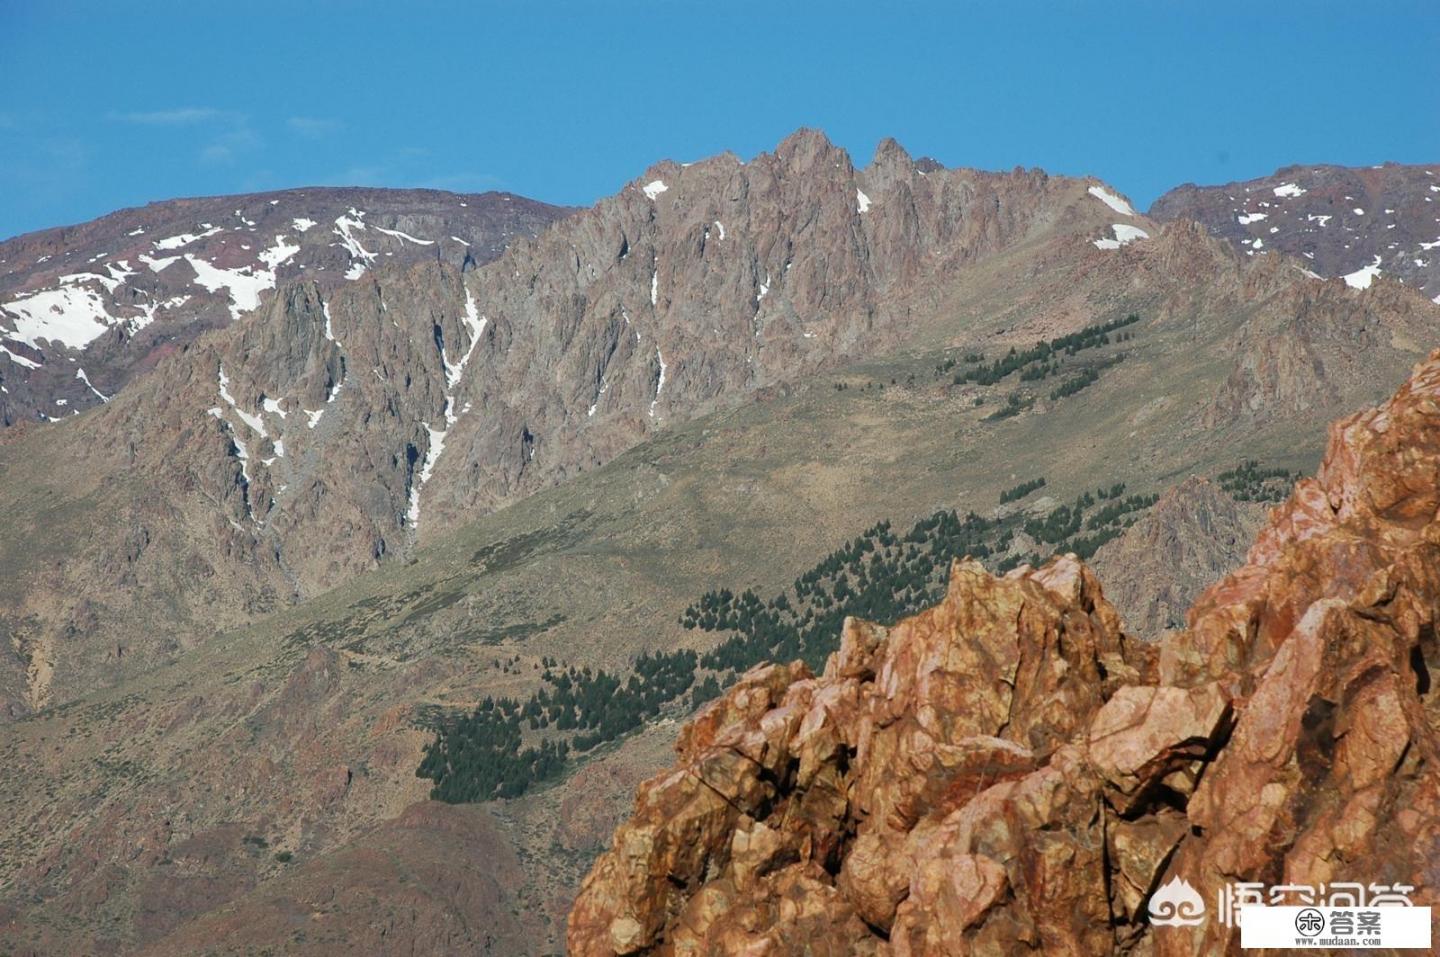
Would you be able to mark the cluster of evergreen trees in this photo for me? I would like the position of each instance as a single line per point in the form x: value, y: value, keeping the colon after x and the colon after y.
x: 1020, y: 491
x: 1014, y: 405
x: 478, y: 756
x: 1248, y: 482
x: 1043, y: 355
x: 1062, y: 526
x: 1086, y: 377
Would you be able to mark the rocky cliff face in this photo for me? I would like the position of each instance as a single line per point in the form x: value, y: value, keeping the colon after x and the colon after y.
x: 1008, y: 771
x: 85, y: 309
x: 1155, y: 570
x: 1355, y: 223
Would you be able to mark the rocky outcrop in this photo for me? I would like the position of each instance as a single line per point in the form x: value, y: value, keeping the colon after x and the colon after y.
x: 1358, y: 223
x: 1157, y: 567
x: 1309, y: 345
x: 1007, y: 771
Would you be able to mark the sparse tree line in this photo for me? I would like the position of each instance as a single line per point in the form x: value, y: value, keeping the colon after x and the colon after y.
x: 1249, y: 482
x: 1020, y: 491
x: 1043, y: 358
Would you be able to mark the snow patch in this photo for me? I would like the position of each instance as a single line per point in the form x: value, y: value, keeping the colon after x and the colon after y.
x: 278, y: 253
x: 73, y: 316
x: 257, y: 424
x: 654, y: 188
x: 655, y: 287
x: 244, y: 285
x: 720, y: 226
x: 19, y: 359
x: 659, y: 386
x: 344, y: 228
x: 1362, y: 278
x: 604, y: 386
x: 185, y: 239
x: 158, y: 264
x: 475, y: 325
x: 405, y: 236
x: 1124, y: 235
x: 329, y: 329
x: 1289, y: 189
x: 80, y: 374
x: 1111, y: 200
x: 302, y: 223
x: 862, y: 202
x: 1245, y: 219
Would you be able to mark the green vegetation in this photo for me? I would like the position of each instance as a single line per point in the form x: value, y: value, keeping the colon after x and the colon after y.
x: 1021, y: 490
x: 1014, y: 405
x: 879, y: 575
x: 1248, y: 482
x: 1042, y: 359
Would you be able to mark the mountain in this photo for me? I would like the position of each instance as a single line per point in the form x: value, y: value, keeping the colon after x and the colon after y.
x: 338, y: 425
x: 231, y: 644
x: 1006, y: 771
x: 85, y: 309
x: 1342, y: 221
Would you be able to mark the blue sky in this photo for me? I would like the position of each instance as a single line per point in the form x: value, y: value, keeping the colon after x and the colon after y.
x: 105, y: 105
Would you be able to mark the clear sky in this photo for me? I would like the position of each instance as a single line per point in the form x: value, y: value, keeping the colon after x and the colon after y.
x: 105, y: 105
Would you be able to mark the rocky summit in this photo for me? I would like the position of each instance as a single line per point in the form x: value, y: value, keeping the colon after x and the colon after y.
x: 1009, y: 771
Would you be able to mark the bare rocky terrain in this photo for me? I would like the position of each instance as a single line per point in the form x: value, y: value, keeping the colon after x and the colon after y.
x: 1195, y: 534
x: 246, y: 588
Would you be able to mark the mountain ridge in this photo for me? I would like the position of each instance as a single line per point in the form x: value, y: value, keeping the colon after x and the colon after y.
x: 215, y: 682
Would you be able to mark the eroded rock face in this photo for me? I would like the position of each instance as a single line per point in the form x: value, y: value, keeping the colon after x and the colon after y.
x: 1157, y: 568
x: 1008, y: 771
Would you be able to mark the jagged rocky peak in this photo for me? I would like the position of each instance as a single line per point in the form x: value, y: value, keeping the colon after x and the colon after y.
x: 1009, y: 771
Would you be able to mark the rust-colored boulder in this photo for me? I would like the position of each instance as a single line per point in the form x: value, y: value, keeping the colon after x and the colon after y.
x: 1007, y: 771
